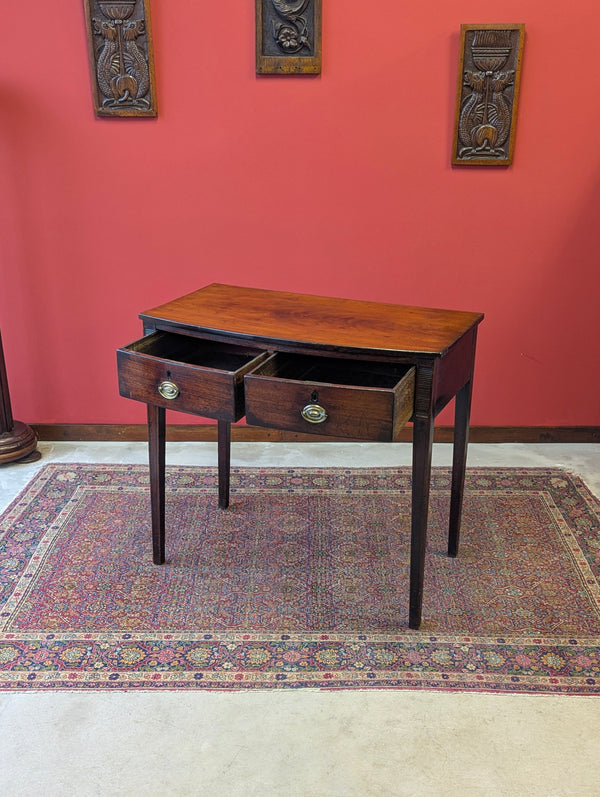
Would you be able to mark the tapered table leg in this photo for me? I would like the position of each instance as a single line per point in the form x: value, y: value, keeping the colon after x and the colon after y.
x: 224, y: 461
x: 421, y: 474
x: 459, y: 463
x: 156, y: 451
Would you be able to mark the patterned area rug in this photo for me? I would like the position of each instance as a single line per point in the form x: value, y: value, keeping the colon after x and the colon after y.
x: 303, y: 582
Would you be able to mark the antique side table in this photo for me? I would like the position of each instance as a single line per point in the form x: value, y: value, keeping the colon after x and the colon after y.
x: 338, y: 367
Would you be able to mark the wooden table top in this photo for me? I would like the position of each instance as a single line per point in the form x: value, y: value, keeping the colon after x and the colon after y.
x: 272, y: 317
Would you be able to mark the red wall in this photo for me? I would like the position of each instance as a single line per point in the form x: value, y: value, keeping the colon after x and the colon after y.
x: 338, y: 184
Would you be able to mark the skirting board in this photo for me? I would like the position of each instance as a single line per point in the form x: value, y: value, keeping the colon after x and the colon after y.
x: 208, y: 432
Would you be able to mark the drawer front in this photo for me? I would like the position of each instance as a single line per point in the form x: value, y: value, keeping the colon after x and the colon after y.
x: 358, y: 411
x: 183, y: 374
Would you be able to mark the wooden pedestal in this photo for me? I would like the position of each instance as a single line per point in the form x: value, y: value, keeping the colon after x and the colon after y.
x: 17, y: 440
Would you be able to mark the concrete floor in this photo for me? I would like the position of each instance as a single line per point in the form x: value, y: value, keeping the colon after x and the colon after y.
x: 306, y: 743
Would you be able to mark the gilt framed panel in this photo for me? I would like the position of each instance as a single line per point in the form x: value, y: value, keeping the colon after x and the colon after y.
x: 288, y: 37
x: 487, y: 94
x: 119, y: 34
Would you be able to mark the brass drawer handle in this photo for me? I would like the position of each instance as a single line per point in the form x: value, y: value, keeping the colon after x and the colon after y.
x: 168, y: 390
x: 314, y: 413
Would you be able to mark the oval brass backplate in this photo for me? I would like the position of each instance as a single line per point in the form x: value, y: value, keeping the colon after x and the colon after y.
x: 314, y: 413
x: 168, y: 390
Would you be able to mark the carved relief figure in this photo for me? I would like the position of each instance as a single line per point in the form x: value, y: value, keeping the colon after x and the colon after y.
x: 122, y: 57
x: 489, y: 91
x: 288, y: 37
x: 291, y: 35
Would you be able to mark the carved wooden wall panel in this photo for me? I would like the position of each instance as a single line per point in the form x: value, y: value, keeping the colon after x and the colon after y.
x: 487, y: 94
x: 121, y: 57
x: 288, y: 36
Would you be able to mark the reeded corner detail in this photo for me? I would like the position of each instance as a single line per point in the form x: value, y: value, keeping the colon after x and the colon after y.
x: 119, y: 34
x: 288, y: 37
x: 489, y: 74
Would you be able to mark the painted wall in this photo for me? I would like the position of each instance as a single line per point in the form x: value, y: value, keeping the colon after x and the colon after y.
x: 338, y: 184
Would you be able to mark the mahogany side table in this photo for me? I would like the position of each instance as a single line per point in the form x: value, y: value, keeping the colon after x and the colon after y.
x: 338, y: 367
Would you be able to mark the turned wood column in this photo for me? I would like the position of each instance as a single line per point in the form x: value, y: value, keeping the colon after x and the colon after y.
x: 17, y: 440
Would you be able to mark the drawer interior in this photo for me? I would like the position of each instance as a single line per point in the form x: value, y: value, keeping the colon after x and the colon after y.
x: 195, y: 351
x: 330, y: 370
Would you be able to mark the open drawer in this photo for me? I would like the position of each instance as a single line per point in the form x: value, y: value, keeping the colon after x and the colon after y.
x: 330, y: 396
x: 187, y: 374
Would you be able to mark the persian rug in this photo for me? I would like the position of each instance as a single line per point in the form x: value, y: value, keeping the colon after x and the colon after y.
x: 302, y: 582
